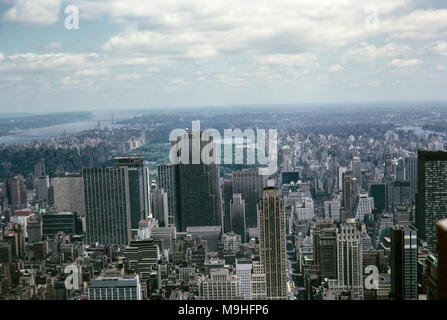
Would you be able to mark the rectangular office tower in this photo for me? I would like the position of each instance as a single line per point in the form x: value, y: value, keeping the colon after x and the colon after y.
x: 196, y: 183
x: 404, y: 262
x: 166, y: 182
x: 349, y: 260
x: 272, y: 231
x: 249, y: 183
x: 431, y: 200
x: 107, y: 205
x: 138, y: 188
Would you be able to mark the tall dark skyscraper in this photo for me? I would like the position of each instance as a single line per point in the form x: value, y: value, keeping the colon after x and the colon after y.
x: 379, y: 192
x: 411, y: 174
x: 249, y: 183
x: 138, y: 188
x: 107, y: 205
x: 325, y: 248
x: 227, y: 197
x: 431, y: 203
x: 356, y: 166
x: 348, y: 196
x: 237, y: 215
x: 166, y: 181
x: 404, y: 261
x: 272, y: 232
x: 14, y: 191
x: 197, y: 190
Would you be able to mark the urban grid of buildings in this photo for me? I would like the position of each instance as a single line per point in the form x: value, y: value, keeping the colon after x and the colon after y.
x: 343, y: 218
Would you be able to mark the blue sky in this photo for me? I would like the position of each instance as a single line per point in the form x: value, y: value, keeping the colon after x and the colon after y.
x: 140, y: 54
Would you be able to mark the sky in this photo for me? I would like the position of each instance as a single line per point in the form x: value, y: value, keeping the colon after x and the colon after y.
x: 136, y: 54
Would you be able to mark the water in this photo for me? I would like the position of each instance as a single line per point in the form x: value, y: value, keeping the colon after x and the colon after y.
x: 29, y: 135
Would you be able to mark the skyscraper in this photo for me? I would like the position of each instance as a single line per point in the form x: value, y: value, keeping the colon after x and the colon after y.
x: 325, y: 248
x: 159, y: 206
x: 107, y: 205
x: 227, y: 197
x: 404, y: 261
x: 431, y: 203
x: 356, y: 166
x: 411, y: 174
x: 197, y: 190
x: 69, y: 193
x: 348, y: 196
x: 237, y: 213
x: 138, y: 188
x: 442, y: 259
x: 349, y: 259
x: 14, y: 191
x: 379, y: 192
x: 249, y: 183
x: 272, y: 230
x: 166, y: 182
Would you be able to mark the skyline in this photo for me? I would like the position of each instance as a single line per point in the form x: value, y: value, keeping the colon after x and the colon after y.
x: 137, y: 55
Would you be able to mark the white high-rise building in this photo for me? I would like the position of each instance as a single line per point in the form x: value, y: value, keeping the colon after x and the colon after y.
x: 304, y: 210
x: 258, y: 282
x: 243, y: 272
x: 220, y: 285
x: 349, y: 261
x: 115, y: 288
x: 332, y: 209
x: 363, y: 206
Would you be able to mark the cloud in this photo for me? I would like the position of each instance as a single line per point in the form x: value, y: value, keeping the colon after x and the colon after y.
x: 128, y: 76
x: 437, y: 47
x: 336, y: 68
x: 368, y: 52
x: 289, y: 60
x: 417, y: 25
x: 92, y: 72
x: 399, y: 63
x: 34, y: 12
x: 48, y: 61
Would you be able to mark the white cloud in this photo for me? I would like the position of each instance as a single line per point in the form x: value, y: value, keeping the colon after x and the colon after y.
x: 437, y: 47
x: 128, y: 76
x: 48, y: 61
x: 367, y: 52
x: 441, y: 68
x: 92, y: 72
x: 34, y: 12
x: 289, y: 60
x: 399, y: 63
x: 336, y: 68
x: 417, y: 25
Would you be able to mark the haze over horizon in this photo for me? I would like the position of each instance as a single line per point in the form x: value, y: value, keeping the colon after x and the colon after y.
x: 140, y: 55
